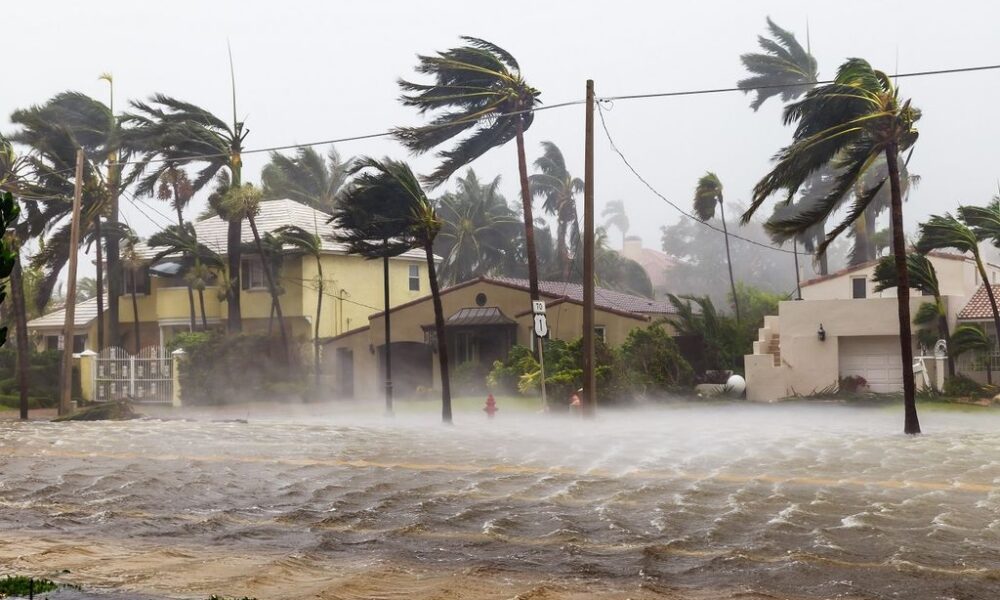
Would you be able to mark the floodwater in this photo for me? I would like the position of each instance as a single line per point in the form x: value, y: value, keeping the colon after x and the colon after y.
x: 685, y: 501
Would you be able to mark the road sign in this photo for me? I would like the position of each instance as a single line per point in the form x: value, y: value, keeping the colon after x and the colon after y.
x: 541, y: 326
x: 538, y: 307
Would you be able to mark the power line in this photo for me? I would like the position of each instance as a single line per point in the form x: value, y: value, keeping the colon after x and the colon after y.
x: 638, y: 176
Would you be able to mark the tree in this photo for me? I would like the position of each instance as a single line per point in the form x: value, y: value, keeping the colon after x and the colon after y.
x: 305, y: 177
x: 243, y: 202
x: 385, y: 213
x: 477, y: 87
x: 478, y: 230
x: 311, y: 245
x: 134, y: 263
x: 558, y: 188
x: 707, y: 196
x: 616, y: 216
x: 849, y: 124
x: 785, y: 68
x: 972, y: 338
x: 923, y: 277
x: 9, y: 212
x: 614, y: 271
x: 182, y: 241
x: 86, y: 288
x: 165, y: 132
x: 940, y: 232
x: 175, y: 187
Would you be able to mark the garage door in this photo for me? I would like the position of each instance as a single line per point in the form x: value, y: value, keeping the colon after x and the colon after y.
x: 876, y: 358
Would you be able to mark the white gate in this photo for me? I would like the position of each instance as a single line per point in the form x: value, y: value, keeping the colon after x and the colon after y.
x: 144, y: 378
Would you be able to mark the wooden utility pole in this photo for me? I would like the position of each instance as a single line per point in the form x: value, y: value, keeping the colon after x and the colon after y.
x: 66, y: 379
x: 388, y: 336
x: 589, y: 382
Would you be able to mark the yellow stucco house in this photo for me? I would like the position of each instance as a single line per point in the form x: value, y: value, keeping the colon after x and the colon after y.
x: 353, y: 288
x: 842, y: 327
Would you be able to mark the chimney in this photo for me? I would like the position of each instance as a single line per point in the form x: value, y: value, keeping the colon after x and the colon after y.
x: 632, y: 247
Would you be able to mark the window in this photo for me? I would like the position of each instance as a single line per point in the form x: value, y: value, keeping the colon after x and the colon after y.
x: 859, y: 287
x: 252, y: 274
x: 137, y: 278
x: 601, y: 333
x: 414, y: 278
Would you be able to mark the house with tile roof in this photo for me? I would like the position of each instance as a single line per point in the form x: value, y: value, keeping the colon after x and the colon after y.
x: 484, y: 318
x: 843, y: 328
x: 353, y: 286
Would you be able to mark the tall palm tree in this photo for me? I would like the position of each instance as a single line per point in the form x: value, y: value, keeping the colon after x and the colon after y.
x: 243, y: 202
x: 134, y: 263
x: 616, y: 216
x: 946, y: 231
x: 182, y: 241
x: 166, y: 132
x: 923, y: 277
x: 478, y: 230
x: 175, y: 187
x: 477, y: 88
x: 849, y: 124
x: 558, y: 188
x: 311, y: 245
x: 708, y: 196
x: 305, y: 177
x: 385, y: 213
x: 784, y: 68
x: 971, y: 338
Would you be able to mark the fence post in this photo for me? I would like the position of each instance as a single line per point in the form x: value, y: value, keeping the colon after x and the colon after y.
x: 177, y: 356
x: 88, y: 375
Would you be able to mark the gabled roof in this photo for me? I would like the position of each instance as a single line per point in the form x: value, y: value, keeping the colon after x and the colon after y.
x: 273, y: 215
x: 871, y: 263
x: 978, y: 307
x: 84, y: 313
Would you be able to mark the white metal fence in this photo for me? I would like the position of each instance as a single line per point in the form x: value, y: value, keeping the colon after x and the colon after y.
x: 145, y: 377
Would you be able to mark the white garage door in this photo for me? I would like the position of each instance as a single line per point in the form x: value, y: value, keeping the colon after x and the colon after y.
x: 876, y: 358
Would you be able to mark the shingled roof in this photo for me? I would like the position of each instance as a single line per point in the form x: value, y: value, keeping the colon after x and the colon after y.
x: 978, y: 307
x: 84, y: 313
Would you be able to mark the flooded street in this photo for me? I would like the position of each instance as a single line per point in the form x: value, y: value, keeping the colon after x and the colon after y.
x: 731, y: 501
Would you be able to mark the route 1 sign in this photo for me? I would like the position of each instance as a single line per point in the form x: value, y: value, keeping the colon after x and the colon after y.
x: 541, y: 326
x: 538, y: 307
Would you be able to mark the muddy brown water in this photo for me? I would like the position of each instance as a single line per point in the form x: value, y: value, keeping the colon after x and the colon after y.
x: 685, y: 501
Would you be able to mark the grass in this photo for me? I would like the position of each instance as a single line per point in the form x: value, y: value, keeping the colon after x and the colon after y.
x: 18, y: 585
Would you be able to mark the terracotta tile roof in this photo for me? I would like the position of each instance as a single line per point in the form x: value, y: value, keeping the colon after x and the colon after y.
x: 603, y: 297
x: 978, y: 307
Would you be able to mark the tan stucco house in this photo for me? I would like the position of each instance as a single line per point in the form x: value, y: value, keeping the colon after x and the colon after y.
x: 842, y: 328
x: 484, y: 317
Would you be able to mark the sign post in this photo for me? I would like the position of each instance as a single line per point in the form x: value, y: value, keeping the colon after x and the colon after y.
x: 541, y: 329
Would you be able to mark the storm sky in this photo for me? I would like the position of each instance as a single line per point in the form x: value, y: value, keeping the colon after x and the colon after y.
x: 318, y: 70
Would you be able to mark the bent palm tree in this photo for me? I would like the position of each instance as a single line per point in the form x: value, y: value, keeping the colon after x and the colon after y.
x: 972, y: 338
x: 616, y: 216
x: 946, y: 231
x: 305, y: 177
x: 310, y: 245
x: 558, y: 188
x: 385, y: 213
x: 923, y: 277
x: 708, y: 196
x: 182, y: 241
x: 477, y: 88
x: 165, y: 132
x: 176, y: 188
x: 850, y: 124
x: 785, y: 68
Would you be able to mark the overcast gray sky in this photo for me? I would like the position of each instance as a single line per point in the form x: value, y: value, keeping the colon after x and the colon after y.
x: 316, y: 70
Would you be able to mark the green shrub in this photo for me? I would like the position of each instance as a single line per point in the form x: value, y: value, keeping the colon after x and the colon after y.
x: 468, y: 378
x: 43, y: 378
x: 962, y: 386
x: 652, y: 362
x: 18, y: 585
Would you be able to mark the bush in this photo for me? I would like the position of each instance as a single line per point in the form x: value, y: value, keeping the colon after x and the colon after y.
x: 43, y: 378
x: 468, y: 378
x: 853, y: 384
x: 962, y: 386
x: 225, y: 369
x: 652, y: 362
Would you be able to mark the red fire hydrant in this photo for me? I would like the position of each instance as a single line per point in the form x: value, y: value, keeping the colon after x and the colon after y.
x: 491, y: 406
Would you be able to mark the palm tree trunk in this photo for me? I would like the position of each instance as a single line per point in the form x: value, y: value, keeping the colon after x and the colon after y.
x: 824, y: 263
x: 729, y: 262
x: 273, y: 288
x: 564, y: 250
x: 319, y: 312
x: 21, y: 334
x: 388, y: 334
x: 993, y: 305
x: 201, y: 302
x: 100, y: 286
x: 529, y: 219
x: 180, y: 225
x: 135, y: 313
x: 911, y: 424
x: 945, y: 334
x: 798, y: 283
x: 442, y: 343
x: 234, y: 235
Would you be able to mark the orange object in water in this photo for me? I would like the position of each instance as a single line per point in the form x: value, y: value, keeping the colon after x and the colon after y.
x: 491, y: 406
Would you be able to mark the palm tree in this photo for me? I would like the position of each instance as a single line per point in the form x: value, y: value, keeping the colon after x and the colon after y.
x: 616, y: 272
x: 182, y: 241
x: 134, y: 263
x: 849, y: 124
x: 558, y: 188
x: 946, y: 231
x: 923, y: 277
x: 478, y: 230
x: 385, y: 213
x: 785, y: 68
x: 243, y: 202
x: 968, y: 337
x: 166, y: 132
x: 616, y: 216
x: 708, y: 196
x: 477, y: 88
x: 305, y: 177
x: 310, y: 245
x: 86, y: 288
x: 175, y: 187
